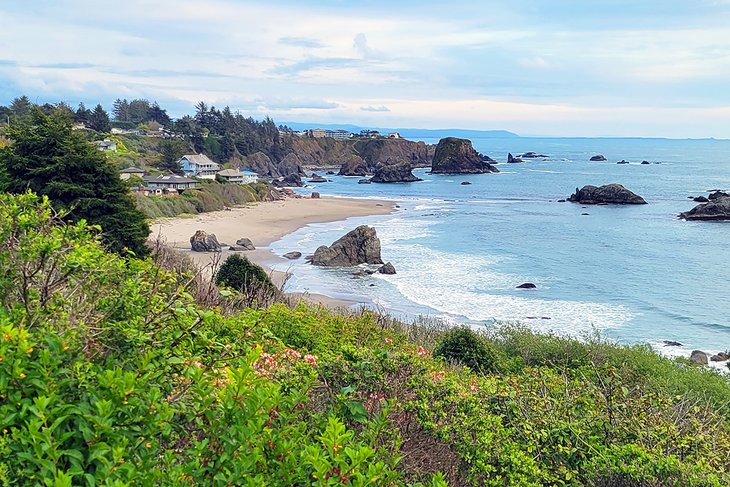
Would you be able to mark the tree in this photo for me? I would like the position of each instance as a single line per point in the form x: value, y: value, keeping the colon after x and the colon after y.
x: 99, y: 120
x: 159, y: 115
x: 120, y: 110
x: 138, y: 110
x: 82, y: 114
x: 171, y: 150
x: 47, y: 157
x: 248, y: 279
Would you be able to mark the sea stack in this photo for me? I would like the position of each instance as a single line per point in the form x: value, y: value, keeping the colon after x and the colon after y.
x: 360, y: 246
x: 457, y: 156
x: 610, y: 193
x: 398, y: 172
x: 717, y: 208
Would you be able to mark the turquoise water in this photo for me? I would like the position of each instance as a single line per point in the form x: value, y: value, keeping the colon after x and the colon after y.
x: 636, y: 273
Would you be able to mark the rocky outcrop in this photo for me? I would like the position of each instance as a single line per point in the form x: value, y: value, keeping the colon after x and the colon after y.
x: 671, y: 343
x: 314, y: 195
x: 399, y: 172
x: 719, y: 357
x: 623, y: 161
x: 204, y: 242
x: 457, y: 156
x: 698, y: 357
x: 360, y: 246
x: 292, y: 180
x: 325, y: 152
x: 512, y: 159
x: 245, y: 243
x: 387, y: 269
x: 292, y: 255
x: 290, y: 165
x: 598, y: 158
x: 262, y: 165
x: 700, y: 199
x: 610, y: 193
x: 316, y: 178
x: 715, y: 209
x: 717, y: 194
x: 526, y: 285
x: 532, y: 155
x: 355, y: 166
x: 364, y: 181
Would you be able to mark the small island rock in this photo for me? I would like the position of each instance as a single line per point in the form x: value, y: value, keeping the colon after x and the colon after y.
x: 527, y: 285
x: 360, y: 246
x: 671, y: 343
x: 204, y: 242
x: 399, y: 172
x: 700, y: 199
x: 292, y: 255
x: 598, y: 158
x: 610, y: 193
x: 512, y: 159
x: 387, y: 269
x: 716, y: 209
x: 355, y: 166
x: 465, y: 183
x: 457, y: 156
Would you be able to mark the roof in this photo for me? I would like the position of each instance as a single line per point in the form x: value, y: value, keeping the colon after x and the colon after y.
x: 105, y: 143
x: 171, y: 178
x: 198, y: 159
x: 229, y: 173
x: 132, y: 170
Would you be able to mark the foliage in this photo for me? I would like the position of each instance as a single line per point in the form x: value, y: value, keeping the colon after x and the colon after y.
x: 47, y: 157
x: 112, y: 374
x: 98, y: 120
x: 463, y: 346
x: 247, y: 278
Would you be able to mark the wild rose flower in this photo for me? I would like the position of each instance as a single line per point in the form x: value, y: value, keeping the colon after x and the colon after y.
x: 473, y: 385
x: 292, y: 354
x: 422, y: 351
x: 389, y: 341
x: 311, y: 360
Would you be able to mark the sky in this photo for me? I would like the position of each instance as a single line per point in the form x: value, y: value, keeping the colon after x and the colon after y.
x: 645, y: 68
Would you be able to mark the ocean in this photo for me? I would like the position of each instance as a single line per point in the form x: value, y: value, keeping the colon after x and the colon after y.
x: 636, y: 274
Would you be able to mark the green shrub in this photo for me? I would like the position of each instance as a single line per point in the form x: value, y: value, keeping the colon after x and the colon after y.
x: 464, y: 346
x: 249, y: 279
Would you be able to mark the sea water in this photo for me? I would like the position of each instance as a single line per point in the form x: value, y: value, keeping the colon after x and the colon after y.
x: 636, y: 274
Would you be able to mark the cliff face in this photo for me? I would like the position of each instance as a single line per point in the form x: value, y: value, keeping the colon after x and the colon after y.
x: 375, y: 152
x: 457, y: 156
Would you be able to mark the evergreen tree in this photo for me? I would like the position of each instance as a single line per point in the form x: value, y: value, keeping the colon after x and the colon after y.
x: 47, y: 157
x: 83, y: 114
x: 120, y: 110
x: 159, y: 115
x: 99, y: 120
x: 171, y: 150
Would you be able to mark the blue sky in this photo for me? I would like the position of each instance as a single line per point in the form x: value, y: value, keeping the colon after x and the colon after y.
x: 562, y: 67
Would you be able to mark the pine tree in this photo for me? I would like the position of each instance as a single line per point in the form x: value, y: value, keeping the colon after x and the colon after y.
x: 47, y: 157
x: 99, y: 120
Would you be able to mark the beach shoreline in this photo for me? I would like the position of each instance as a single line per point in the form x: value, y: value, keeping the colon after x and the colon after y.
x: 265, y: 223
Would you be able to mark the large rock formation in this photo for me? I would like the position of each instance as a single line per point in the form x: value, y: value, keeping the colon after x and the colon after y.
x: 698, y: 357
x: 204, y: 242
x: 290, y: 165
x: 354, y: 166
x: 262, y: 165
x: 512, y: 159
x: 610, y: 193
x: 399, y: 172
x: 715, y: 209
x: 360, y: 246
x: 598, y: 158
x: 245, y: 243
x: 329, y: 152
x: 292, y: 180
x: 457, y: 156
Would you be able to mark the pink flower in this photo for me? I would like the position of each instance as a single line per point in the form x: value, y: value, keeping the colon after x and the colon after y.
x: 422, y: 351
x: 473, y: 385
x: 292, y: 354
x: 311, y: 360
x: 389, y: 341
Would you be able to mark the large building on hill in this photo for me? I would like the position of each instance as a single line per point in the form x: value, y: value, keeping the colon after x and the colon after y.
x: 199, y: 166
x: 239, y: 177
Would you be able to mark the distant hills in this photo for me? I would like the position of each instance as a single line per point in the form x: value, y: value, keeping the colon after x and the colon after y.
x: 410, y: 133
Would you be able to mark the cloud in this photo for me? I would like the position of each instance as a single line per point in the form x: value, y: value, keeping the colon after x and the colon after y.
x: 301, y: 42
x: 360, y: 43
x: 314, y: 63
x: 67, y: 65
x: 369, y: 108
x: 284, y: 104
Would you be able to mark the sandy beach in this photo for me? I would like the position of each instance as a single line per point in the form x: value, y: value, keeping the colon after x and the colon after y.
x: 264, y: 223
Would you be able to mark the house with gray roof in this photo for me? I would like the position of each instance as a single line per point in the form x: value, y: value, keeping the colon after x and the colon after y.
x: 239, y: 177
x: 169, y: 182
x: 127, y: 173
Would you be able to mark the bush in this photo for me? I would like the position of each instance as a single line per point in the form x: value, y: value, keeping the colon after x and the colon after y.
x: 464, y: 346
x: 249, y: 279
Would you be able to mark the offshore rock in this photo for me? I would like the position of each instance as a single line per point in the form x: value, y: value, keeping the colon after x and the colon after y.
x: 387, y: 269
x: 399, y: 172
x: 292, y: 255
x: 526, y: 285
x: 360, y: 246
x: 720, y: 357
x: 610, y: 193
x: 598, y: 158
x: 292, y: 180
x: 715, y: 209
x: 512, y: 159
x: 204, y: 242
x: 457, y: 156
x: 355, y: 166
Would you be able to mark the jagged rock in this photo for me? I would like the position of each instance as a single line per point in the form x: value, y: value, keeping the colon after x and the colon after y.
x: 700, y: 199
x: 314, y: 195
x: 719, y: 357
x: 246, y: 243
x: 364, y: 181
x: 698, y: 357
x: 610, y: 193
x: 622, y: 161
x: 399, y: 172
x: 204, y: 242
x: 330, y: 173
x: 387, y: 269
x: 355, y: 166
x: 717, y: 194
x: 465, y: 183
x: 671, y: 343
x: 526, y: 285
x: 316, y: 178
x: 291, y: 164
x: 292, y: 180
x: 645, y: 162
x: 512, y: 159
x: 292, y: 255
x: 532, y: 155
x: 360, y: 246
x: 561, y: 201
x: 457, y: 156
x: 716, y: 209
x: 262, y: 165
x: 598, y: 158
x: 237, y: 248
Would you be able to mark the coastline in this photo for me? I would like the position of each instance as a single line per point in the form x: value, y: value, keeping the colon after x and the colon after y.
x: 265, y: 223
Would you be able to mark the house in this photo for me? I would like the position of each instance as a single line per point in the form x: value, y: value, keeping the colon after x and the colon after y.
x: 168, y: 183
x: 319, y: 133
x: 131, y: 171
x: 119, y: 131
x: 106, y: 145
x: 199, y: 166
x: 337, y: 134
x: 394, y: 135
x: 240, y: 177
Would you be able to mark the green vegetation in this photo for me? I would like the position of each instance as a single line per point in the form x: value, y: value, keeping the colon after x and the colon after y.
x: 121, y: 371
x: 47, y: 157
x: 209, y: 197
x: 249, y: 279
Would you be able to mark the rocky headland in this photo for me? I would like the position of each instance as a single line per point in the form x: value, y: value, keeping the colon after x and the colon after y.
x: 608, y: 194
x: 457, y: 156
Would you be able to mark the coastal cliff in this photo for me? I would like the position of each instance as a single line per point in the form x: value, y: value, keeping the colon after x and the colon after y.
x: 457, y: 156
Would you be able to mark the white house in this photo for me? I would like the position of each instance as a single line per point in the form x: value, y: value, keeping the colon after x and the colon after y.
x: 106, y: 145
x: 235, y: 176
x: 199, y: 166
